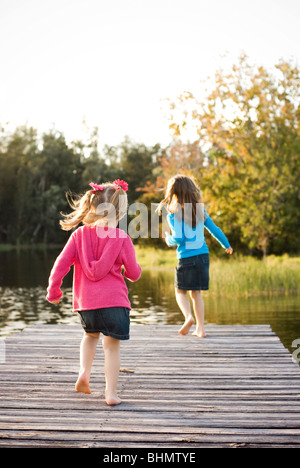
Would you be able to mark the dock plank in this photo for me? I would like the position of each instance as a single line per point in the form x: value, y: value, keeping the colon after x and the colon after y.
x: 238, y: 387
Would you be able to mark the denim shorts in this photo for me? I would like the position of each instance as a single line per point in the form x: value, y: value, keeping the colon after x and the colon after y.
x: 111, y: 321
x: 192, y: 273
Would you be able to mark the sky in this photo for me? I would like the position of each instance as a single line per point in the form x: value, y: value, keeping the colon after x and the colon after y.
x: 110, y: 63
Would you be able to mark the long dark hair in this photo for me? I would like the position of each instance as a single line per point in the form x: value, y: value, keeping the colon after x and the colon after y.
x: 183, y: 190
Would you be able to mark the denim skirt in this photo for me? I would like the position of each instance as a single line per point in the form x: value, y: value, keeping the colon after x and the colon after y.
x: 192, y: 273
x: 111, y: 321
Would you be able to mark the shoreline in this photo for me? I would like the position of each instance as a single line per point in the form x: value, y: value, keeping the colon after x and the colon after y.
x: 230, y: 276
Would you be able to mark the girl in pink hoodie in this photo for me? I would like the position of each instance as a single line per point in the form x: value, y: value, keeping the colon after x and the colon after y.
x: 98, y: 251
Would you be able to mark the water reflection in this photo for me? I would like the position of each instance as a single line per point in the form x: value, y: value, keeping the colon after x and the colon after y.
x: 23, y: 282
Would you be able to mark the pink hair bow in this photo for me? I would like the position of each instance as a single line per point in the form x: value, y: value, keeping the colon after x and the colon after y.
x: 96, y: 187
x: 121, y: 184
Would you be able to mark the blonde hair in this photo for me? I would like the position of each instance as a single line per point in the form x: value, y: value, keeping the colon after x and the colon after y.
x: 183, y: 190
x: 96, y: 207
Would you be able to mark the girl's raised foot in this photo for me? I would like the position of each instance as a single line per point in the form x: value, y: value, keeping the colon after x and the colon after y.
x: 186, y: 326
x: 82, y: 385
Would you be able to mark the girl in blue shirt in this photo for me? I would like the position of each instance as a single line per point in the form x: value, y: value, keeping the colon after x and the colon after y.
x: 187, y: 220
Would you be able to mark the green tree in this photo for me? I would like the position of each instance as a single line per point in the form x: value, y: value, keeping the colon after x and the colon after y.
x: 35, y: 173
x: 17, y: 159
x: 133, y: 162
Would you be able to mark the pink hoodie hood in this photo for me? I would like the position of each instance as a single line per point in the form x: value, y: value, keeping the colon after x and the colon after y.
x: 98, y: 254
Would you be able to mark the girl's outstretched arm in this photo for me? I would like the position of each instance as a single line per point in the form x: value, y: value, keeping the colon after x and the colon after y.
x: 217, y: 233
x: 60, y: 268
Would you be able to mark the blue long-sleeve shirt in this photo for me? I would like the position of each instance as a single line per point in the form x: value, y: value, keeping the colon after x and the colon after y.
x: 191, y: 241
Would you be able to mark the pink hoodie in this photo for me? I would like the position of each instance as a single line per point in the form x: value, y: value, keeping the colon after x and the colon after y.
x: 98, y: 255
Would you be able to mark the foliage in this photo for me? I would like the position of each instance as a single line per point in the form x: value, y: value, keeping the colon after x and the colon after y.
x: 37, y: 171
x: 237, y: 276
x: 248, y: 129
x: 248, y: 276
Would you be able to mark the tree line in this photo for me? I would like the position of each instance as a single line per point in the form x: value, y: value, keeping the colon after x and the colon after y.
x: 36, y: 172
x: 244, y: 152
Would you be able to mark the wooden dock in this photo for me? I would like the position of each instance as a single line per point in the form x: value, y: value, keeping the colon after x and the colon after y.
x: 237, y: 388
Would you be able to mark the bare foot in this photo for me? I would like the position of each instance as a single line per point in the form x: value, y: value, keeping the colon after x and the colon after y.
x: 199, y: 333
x: 186, y: 326
x: 82, y: 385
x: 112, y: 399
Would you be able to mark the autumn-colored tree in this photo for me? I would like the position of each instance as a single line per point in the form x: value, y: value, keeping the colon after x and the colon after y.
x: 248, y: 128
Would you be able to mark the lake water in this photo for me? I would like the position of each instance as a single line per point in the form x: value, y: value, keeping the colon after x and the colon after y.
x: 24, y: 278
